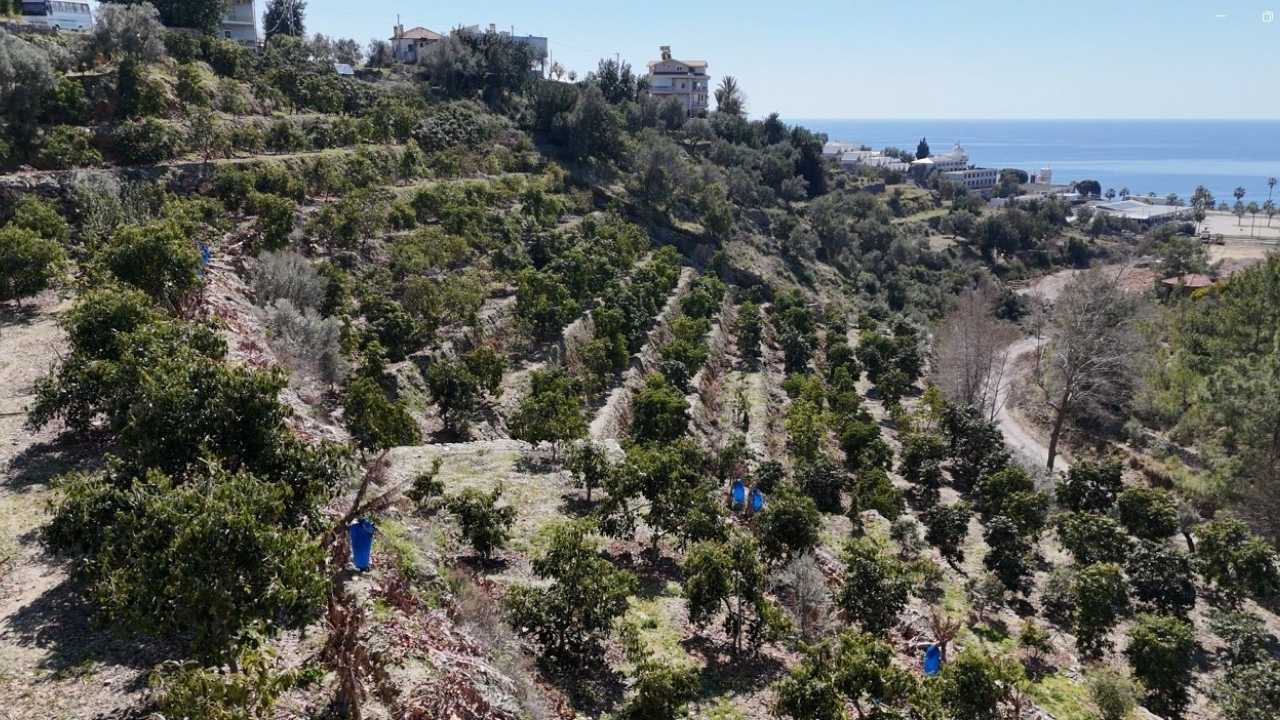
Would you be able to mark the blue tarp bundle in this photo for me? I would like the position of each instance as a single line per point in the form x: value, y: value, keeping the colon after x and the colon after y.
x: 757, y: 500
x: 361, y: 533
x: 738, y: 495
x: 932, y: 660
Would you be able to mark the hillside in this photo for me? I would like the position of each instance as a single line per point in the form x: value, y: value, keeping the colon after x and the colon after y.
x: 535, y: 331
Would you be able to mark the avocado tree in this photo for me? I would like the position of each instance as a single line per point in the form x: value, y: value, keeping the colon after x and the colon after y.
x: 728, y: 579
x: 29, y: 264
x: 1161, y: 652
x: 485, y: 524
x: 876, y: 586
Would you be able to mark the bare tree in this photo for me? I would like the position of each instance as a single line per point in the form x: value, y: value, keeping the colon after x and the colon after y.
x: 1087, y: 359
x: 971, y: 353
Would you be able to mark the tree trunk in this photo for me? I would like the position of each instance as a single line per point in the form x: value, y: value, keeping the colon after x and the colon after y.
x: 1191, y: 543
x: 1058, y: 421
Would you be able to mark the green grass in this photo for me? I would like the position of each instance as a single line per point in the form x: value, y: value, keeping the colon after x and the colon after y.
x: 1063, y: 698
x: 657, y: 623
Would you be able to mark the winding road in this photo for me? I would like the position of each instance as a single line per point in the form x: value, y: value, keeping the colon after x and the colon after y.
x: 1021, y: 439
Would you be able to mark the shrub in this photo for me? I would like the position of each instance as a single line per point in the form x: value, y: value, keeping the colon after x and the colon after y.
x: 136, y: 94
x: 157, y: 258
x: 145, y: 141
x: 1092, y: 538
x: 204, y: 560
x: 660, y: 413
x: 191, y: 87
x: 29, y: 264
x: 551, y: 411
x: 1162, y: 654
x: 66, y: 103
x: 852, y: 668
x: 570, y: 615
x: 728, y: 578
x: 1249, y: 691
x: 947, y: 527
x: 876, y: 586
x: 1162, y: 578
x: 1148, y: 513
x: 789, y: 526
x: 749, y: 330
x: 284, y: 136
x: 249, y: 692
x: 66, y: 147
x: 290, y: 276
x: 1112, y: 693
x: 310, y: 342
x: 39, y: 216
x: 450, y: 126
x: 375, y: 421
x: 1090, y: 486
x: 1236, y: 562
x: 131, y: 30
x: 1101, y: 599
x: 275, y: 219
x: 484, y: 524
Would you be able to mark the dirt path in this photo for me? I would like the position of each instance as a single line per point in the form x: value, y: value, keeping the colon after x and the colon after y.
x: 1021, y: 438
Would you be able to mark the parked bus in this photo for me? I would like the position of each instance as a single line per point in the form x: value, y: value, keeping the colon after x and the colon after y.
x: 58, y: 14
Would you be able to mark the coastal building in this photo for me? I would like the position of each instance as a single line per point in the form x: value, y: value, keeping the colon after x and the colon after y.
x: 537, y: 43
x: 979, y: 179
x: 240, y: 24
x: 833, y: 150
x: 853, y: 158
x: 1143, y: 212
x: 685, y: 80
x: 407, y: 46
x: 954, y: 159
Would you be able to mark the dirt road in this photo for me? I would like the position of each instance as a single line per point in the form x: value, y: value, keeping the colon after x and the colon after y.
x: 1022, y: 440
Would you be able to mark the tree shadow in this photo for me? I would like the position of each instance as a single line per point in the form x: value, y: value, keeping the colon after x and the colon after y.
x: 592, y: 686
x: 41, y: 462
x: 574, y: 504
x: 12, y: 315
x: 726, y: 672
x: 653, y: 573
x: 62, y: 622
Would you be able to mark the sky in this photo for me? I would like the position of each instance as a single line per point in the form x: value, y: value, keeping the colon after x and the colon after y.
x: 905, y: 58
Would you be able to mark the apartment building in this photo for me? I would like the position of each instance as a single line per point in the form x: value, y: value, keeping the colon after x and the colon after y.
x: 240, y: 24
x: 684, y: 80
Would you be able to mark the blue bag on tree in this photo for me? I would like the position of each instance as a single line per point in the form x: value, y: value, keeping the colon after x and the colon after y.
x: 739, y: 494
x: 757, y: 500
x: 932, y: 660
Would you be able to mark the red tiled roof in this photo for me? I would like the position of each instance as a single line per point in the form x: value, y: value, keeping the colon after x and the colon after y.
x: 418, y: 33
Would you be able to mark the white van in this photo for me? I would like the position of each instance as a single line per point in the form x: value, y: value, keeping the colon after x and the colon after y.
x: 58, y: 14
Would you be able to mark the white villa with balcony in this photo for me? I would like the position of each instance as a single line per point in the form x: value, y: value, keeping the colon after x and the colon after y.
x: 240, y: 24
x: 684, y: 80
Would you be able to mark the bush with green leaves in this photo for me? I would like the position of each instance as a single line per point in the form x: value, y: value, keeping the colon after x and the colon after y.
x: 660, y: 413
x: 1148, y: 513
x: 666, y: 485
x: 1091, y: 486
x: 191, y: 87
x: 573, y: 612
x: 853, y: 668
x: 458, y: 386
x: 1250, y: 691
x: 1235, y: 562
x: 551, y: 412
x: 145, y: 142
x: 453, y: 125
x: 1161, y: 652
x: 64, y: 147
x: 33, y: 213
x: 1101, y: 598
x: 203, y: 560
x: 29, y: 264
x: 276, y: 217
x: 876, y: 586
x: 728, y: 579
x: 1163, y: 578
x: 1112, y: 693
x: 979, y: 686
x: 157, y: 258
x: 377, y: 422
x: 749, y: 330
x: 977, y: 448
x: 1092, y: 538
x: 920, y: 464
x: 946, y: 527
x: 874, y: 490
x: 1009, y: 555
x: 485, y: 525
x: 250, y: 691
x: 588, y: 463
x: 789, y: 525
x: 391, y: 325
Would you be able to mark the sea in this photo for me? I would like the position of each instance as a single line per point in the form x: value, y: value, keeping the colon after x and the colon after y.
x: 1146, y: 156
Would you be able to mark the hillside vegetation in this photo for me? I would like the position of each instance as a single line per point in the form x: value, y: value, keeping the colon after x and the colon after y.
x: 535, y: 331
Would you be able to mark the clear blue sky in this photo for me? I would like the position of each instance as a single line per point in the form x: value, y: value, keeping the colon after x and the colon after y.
x: 906, y: 58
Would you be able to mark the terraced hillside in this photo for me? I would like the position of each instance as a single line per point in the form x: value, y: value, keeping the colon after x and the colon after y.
x: 535, y: 331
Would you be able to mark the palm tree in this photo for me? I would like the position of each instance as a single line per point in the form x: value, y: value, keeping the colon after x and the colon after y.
x: 1253, y: 216
x: 730, y: 98
x: 1271, y: 186
x: 1239, y: 192
x: 1269, y: 208
x: 1124, y: 193
x: 1111, y: 193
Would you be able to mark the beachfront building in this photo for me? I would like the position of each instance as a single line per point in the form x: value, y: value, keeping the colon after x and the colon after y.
x: 832, y: 150
x: 685, y: 80
x: 1144, y: 212
x: 407, y: 46
x: 954, y: 159
x: 240, y: 24
x: 977, y: 179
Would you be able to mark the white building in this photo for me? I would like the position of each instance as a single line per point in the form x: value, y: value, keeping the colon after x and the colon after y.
x: 974, y: 178
x: 407, y: 46
x: 684, y: 80
x: 833, y: 150
x: 240, y: 24
x: 954, y: 159
x: 1142, y: 212
x: 851, y: 159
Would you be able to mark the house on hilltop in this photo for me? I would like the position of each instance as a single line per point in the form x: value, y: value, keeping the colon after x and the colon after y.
x: 240, y: 24
x: 407, y: 46
x: 684, y: 80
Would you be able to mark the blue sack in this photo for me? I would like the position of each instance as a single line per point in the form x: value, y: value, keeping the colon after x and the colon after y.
x: 739, y: 494
x: 757, y: 500
x: 932, y: 660
x: 361, y: 533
